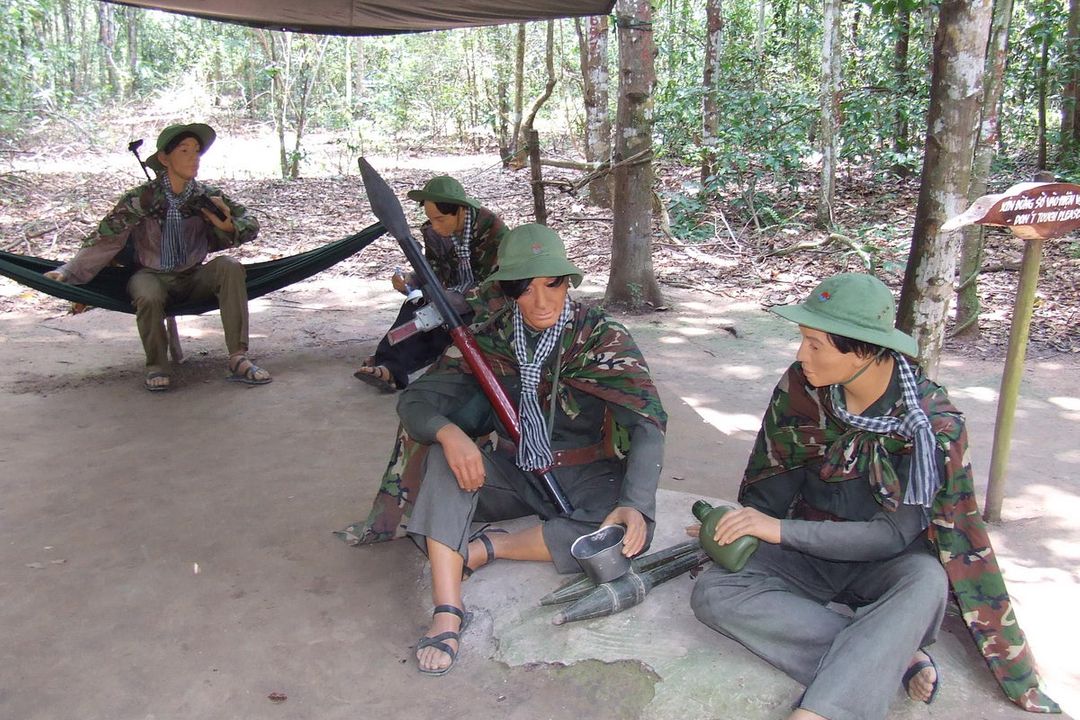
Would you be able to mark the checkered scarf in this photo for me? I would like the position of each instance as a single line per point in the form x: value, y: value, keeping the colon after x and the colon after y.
x: 463, y: 250
x: 173, y: 252
x: 534, y: 449
x: 923, y: 482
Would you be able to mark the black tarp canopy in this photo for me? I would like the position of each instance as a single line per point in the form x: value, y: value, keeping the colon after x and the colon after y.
x: 378, y: 17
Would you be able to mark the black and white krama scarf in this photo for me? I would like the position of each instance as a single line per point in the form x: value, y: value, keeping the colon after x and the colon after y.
x: 173, y: 252
x: 462, y: 246
x: 534, y: 448
x: 923, y: 482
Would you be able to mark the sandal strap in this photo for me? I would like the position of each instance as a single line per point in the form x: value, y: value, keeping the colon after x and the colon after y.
x: 451, y: 609
x: 438, y: 643
x: 488, y: 547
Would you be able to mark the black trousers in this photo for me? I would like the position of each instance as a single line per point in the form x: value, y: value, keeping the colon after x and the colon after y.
x: 416, y: 352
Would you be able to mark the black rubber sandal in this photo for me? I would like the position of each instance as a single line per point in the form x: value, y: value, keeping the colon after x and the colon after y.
x: 439, y: 641
x: 378, y: 376
x: 489, y: 548
x: 918, y: 667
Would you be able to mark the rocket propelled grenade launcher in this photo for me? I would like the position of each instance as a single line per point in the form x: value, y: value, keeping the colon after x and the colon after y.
x: 629, y: 590
x: 579, y: 587
x: 387, y: 209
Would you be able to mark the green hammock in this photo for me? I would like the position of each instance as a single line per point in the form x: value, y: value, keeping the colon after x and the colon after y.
x: 108, y: 289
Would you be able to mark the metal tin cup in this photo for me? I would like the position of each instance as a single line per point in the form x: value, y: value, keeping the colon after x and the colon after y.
x: 600, y: 554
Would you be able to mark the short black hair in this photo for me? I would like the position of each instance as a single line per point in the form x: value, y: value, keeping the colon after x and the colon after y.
x: 171, y: 145
x: 514, y: 288
x: 446, y: 208
x: 860, y: 347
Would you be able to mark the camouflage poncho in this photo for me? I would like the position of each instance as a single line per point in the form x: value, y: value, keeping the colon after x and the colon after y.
x: 597, y: 356
x: 800, y: 428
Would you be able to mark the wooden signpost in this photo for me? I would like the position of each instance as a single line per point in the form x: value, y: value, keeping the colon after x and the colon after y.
x: 1033, y: 212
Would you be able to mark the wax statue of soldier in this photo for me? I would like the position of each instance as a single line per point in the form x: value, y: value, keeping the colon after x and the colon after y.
x: 588, y: 409
x: 164, y: 229
x: 461, y: 241
x: 860, y: 492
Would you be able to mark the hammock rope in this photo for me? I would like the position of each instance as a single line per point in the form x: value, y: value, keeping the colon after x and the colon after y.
x: 108, y: 290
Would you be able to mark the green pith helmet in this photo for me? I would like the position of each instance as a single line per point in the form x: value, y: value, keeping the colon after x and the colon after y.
x: 853, y: 305
x: 532, y: 251
x: 443, y: 189
x: 204, y: 133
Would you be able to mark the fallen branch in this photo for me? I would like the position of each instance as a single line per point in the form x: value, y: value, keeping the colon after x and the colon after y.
x: 820, y: 243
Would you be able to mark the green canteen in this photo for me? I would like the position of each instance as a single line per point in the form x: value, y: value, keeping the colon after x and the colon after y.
x: 731, y: 556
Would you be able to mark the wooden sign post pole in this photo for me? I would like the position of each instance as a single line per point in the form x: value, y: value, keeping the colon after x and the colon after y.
x: 1033, y: 212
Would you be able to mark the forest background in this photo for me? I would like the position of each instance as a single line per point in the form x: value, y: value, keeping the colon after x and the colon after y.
x: 736, y: 209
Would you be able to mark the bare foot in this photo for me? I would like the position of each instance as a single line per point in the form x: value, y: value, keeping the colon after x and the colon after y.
x: 920, y: 686
x: 431, y: 659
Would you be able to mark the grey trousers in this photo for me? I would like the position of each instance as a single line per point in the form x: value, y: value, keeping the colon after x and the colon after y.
x: 150, y: 291
x: 851, y: 666
x: 444, y: 512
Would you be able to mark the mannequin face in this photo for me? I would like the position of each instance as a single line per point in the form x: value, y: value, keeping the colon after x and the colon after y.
x: 541, y: 304
x: 822, y: 363
x: 445, y: 225
x: 182, y: 163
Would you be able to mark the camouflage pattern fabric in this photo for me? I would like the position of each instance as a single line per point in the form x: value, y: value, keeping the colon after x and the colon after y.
x: 148, y: 201
x: 800, y: 428
x: 598, y: 356
x: 488, y: 232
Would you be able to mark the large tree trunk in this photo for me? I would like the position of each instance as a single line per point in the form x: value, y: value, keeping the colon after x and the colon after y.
x: 967, y: 295
x: 710, y: 121
x: 830, y: 111
x: 1070, y: 96
x: 593, y: 44
x: 900, y: 70
x: 632, y: 283
x: 955, y: 95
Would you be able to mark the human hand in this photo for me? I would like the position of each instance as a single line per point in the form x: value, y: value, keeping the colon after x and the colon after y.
x: 636, y: 530
x: 225, y: 225
x: 57, y: 275
x: 747, y: 521
x: 693, y: 530
x: 403, y: 282
x: 465, y: 459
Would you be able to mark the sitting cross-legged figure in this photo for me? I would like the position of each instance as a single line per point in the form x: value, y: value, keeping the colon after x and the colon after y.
x: 588, y: 409
x: 859, y: 490
x: 164, y: 229
x: 461, y: 240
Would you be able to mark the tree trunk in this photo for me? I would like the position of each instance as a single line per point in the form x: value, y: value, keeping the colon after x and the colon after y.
x: 967, y: 296
x: 311, y: 77
x: 900, y: 69
x: 519, y: 96
x: 1042, y: 82
x: 132, y: 16
x: 710, y: 121
x: 1070, y: 96
x: 955, y: 95
x: 632, y: 282
x: 549, y: 86
x: 830, y: 111
x: 593, y: 45
x: 107, y: 38
x: 759, y: 36
x: 69, y: 31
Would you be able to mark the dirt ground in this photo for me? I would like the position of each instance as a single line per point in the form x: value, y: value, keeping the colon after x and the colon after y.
x: 171, y: 555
